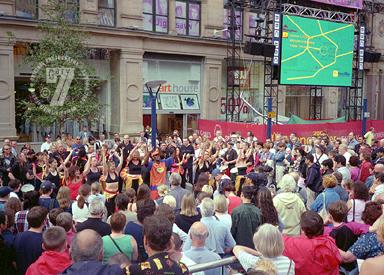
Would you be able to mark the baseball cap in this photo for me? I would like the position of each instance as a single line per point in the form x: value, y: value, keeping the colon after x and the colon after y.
x: 46, y: 186
x: 4, y: 191
x: 257, y: 178
x: 215, y: 172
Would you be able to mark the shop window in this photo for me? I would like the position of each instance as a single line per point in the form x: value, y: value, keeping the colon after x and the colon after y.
x: 26, y: 8
x: 106, y: 13
x: 155, y: 13
x: 188, y: 17
x: 238, y: 25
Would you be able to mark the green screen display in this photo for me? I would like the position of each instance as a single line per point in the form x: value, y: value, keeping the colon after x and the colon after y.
x: 316, y: 52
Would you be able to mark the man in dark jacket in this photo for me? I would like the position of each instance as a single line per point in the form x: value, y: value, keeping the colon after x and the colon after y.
x: 188, y: 152
x: 87, y: 253
x: 313, y: 179
x: 246, y: 218
x: 94, y: 222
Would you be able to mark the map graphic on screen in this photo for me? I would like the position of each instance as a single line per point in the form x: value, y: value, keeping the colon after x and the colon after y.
x: 316, y: 52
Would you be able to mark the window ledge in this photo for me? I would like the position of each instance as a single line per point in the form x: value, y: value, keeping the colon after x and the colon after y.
x: 128, y: 16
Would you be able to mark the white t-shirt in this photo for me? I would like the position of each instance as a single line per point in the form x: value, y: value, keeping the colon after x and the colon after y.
x: 79, y: 215
x: 13, y: 195
x: 283, y: 264
x: 320, y: 158
x: 347, y: 156
x: 45, y: 146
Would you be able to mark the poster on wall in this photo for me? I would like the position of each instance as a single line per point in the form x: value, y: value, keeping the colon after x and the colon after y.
x: 190, y: 102
x: 170, y: 102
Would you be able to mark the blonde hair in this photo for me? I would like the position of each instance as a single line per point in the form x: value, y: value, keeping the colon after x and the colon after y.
x: 380, y: 230
x: 221, y: 205
x: 207, y: 189
x: 188, y: 205
x: 95, y: 188
x: 64, y: 197
x: 269, y: 241
x: 266, y: 266
x: 170, y: 200
x: 329, y: 181
x: 162, y: 190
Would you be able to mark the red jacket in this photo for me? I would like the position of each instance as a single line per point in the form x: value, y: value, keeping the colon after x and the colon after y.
x: 50, y: 262
x: 318, y: 255
x: 365, y: 170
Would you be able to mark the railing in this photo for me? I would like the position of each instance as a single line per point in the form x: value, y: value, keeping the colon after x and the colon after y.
x: 219, y: 263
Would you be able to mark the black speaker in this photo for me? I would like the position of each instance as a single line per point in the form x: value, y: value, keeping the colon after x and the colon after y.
x: 253, y: 48
x: 269, y: 50
x: 259, y: 49
x: 371, y: 57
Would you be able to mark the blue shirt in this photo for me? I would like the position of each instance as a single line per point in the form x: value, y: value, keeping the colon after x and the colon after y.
x: 28, y: 249
x: 331, y: 196
x: 136, y: 231
x: 48, y: 203
x: 367, y: 246
x: 202, y: 255
x: 219, y: 236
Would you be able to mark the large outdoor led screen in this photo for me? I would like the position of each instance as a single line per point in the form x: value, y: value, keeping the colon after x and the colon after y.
x: 316, y: 52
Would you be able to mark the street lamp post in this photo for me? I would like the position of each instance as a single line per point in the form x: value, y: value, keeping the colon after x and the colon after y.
x: 150, y: 85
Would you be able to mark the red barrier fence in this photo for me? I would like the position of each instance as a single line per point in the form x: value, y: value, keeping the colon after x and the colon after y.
x: 303, y: 131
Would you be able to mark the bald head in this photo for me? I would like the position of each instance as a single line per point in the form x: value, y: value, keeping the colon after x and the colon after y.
x: 379, y: 168
x: 87, y: 246
x: 198, y: 234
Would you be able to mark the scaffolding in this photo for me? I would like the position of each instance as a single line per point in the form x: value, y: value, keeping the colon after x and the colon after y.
x: 234, y: 63
x: 267, y: 10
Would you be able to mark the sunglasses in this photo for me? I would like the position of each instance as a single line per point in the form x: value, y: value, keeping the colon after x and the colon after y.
x: 154, y: 155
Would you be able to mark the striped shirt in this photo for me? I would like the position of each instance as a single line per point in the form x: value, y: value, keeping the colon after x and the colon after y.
x: 283, y: 264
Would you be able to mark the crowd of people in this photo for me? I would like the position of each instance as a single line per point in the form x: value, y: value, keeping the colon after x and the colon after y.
x: 88, y: 205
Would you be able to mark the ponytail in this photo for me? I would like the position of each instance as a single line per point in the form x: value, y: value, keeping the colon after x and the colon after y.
x: 81, y: 202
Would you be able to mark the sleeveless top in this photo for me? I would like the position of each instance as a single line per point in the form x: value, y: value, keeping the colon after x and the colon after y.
x: 134, y: 169
x: 93, y: 176
x: 111, y: 186
x: 74, y: 187
x: 359, y: 206
x: 55, y: 179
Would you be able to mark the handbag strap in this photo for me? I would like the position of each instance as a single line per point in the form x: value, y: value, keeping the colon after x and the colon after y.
x: 118, y: 247
x: 290, y: 265
x: 324, y: 200
x: 353, y: 211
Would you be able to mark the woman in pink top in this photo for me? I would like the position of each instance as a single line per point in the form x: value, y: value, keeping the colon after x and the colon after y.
x: 356, y: 205
x: 354, y: 167
x: 233, y: 200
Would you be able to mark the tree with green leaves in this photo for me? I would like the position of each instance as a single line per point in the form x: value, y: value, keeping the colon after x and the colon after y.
x: 62, y: 84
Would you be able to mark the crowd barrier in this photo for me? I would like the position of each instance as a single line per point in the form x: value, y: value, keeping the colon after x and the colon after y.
x: 303, y: 131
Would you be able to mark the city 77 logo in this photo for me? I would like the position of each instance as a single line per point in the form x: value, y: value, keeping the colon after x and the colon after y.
x: 63, y: 76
